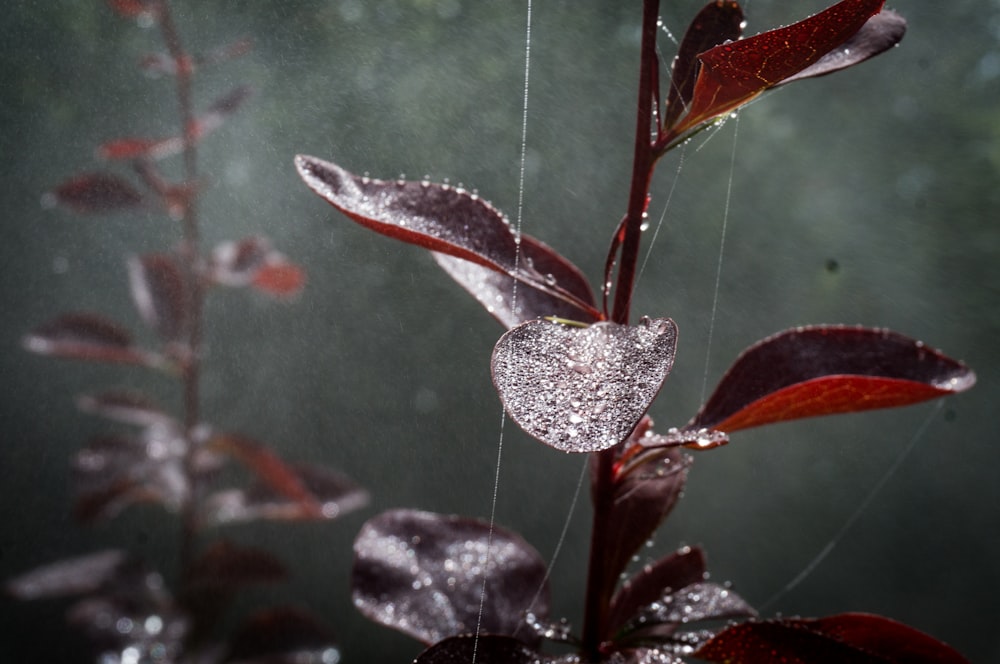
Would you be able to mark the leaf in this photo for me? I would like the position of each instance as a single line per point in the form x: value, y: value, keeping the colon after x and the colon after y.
x: 673, y: 572
x: 822, y: 370
x: 715, y: 24
x: 219, y: 111
x: 270, y: 469
x: 237, y: 263
x: 582, y: 389
x: 94, y: 193
x: 496, y: 291
x: 72, y: 576
x: 734, y: 73
x: 697, y: 602
x: 423, y: 574
x: 284, y: 635
x: 485, y: 649
x: 86, y: 336
x: 224, y: 566
x: 879, y: 34
x: 160, y: 294
x: 850, y: 637
x: 135, y: 8
x: 279, y: 278
x: 140, y: 148
x: 336, y: 494
x: 127, y: 407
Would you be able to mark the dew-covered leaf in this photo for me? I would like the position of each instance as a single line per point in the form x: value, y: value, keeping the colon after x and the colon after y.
x: 673, y: 572
x: 582, y: 389
x: 336, y: 494
x: 284, y: 635
x: 823, y: 370
x: 879, y: 34
x: 496, y: 291
x: 734, y: 73
x: 647, y: 486
x: 423, y: 574
x: 140, y: 148
x: 160, y: 294
x: 850, y: 637
x: 127, y: 407
x: 86, y: 336
x: 235, y: 263
x: 716, y: 23
x: 273, y: 471
x: 695, y: 603
x: 72, y: 576
x: 94, y: 193
x: 485, y: 649
x: 643, y: 656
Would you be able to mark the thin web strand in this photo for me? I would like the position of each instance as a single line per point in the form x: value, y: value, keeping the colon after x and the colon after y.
x: 722, y: 251
x: 663, y: 215
x: 513, y: 305
x: 861, y: 509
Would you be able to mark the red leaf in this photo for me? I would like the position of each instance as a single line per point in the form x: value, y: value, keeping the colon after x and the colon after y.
x: 160, y: 294
x: 851, y: 637
x: 823, y: 370
x: 270, y: 468
x: 673, y: 572
x: 139, y: 148
x: 716, y: 23
x: 280, y: 279
x: 93, y: 193
x: 732, y: 74
x: 86, y: 336
x: 236, y: 263
x: 134, y: 8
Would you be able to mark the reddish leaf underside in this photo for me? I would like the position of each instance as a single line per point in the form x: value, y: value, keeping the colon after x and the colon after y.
x: 94, y: 193
x: 823, y: 370
x: 734, y: 73
x: 279, y: 279
x: 582, y: 389
x: 86, y: 336
x: 851, y: 637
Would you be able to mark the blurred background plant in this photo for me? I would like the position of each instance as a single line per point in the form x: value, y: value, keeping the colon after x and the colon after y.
x: 434, y: 86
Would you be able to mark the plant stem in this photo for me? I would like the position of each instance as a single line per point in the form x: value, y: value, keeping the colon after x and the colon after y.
x: 601, y: 581
x: 190, y: 254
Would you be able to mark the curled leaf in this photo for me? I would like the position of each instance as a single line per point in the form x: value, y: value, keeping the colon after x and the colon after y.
x: 582, y: 389
x: 822, y: 370
x: 424, y: 574
x: 94, y: 193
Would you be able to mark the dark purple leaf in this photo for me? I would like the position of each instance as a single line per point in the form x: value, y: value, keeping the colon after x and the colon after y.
x: 225, y: 566
x: 126, y: 407
x: 486, y: 649
x: 94, y: 193
x: 647, y: 486
x: 336, y: 494
x: 284, y: 635
x: 823, y: 370
x: 696, y: 603
x: 219, y: 111
x: 879, y: 34
x: 674, y: 572
x: 850, y: 637
x: 716, y: 23
x: 86, y: 336
x: 72, y: 576
x: 496, y: 291
x: 582, y: 389
x: 423, y: 574
x: 643, y: 656
x: 160, y: 294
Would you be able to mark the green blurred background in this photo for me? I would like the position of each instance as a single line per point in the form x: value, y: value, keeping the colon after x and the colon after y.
x: 867, y: 197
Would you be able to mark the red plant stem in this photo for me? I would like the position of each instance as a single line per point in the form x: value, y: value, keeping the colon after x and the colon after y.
x: 601, y: 581
x: 190, y: 257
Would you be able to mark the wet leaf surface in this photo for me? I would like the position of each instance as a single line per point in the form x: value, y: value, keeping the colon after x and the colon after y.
x: 734, y: 73
x: 852, y: 637
x: 582, y: 389
x: 423, y: 574
x: 285, y: 635
x: 823, y: 370
x: 486, y: 649
x: 72, y: 576
x: 695, y: 603
x: 160, y: 294
x: 673, y: 572
x: 95, y: 193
